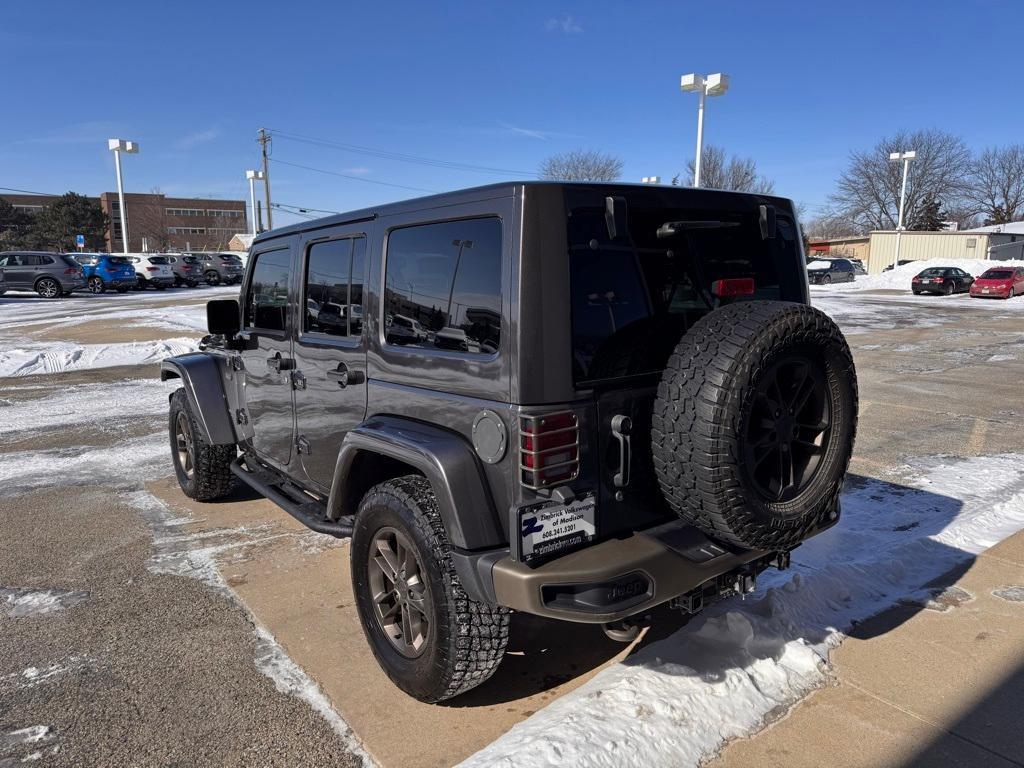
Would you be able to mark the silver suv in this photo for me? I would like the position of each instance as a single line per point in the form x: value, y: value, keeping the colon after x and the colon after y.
x: 49, y: 274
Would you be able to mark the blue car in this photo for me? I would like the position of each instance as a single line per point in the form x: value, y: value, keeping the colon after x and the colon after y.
x: 102, y: 271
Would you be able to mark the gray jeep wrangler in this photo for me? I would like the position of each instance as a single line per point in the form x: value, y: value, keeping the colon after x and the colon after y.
x: 579, y: 401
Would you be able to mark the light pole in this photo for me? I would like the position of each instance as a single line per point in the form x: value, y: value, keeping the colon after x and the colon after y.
x: 712, y: 85
x: 906, y: 157
x: 253, y: 177
x: 118, y: 146
x: 462, y: 244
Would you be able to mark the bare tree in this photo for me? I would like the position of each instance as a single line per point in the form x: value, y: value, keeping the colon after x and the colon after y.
x: 996, y: 188
x: 868, y: 192
x: 581, y: 165
x: 736, y: 174
x: 827, y: 227
x: 151, y: 222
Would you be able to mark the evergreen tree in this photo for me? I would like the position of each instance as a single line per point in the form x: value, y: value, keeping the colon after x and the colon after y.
x: 929, y: 216
x: 14, y: 226
x: 55, y: 227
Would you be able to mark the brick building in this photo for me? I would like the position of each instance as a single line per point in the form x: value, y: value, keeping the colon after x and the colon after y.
x: 161, y: 223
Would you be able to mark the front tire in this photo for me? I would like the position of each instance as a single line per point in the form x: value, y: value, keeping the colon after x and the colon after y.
x: 48, y: 288
x: 427, y: 635
x: 203, y: 470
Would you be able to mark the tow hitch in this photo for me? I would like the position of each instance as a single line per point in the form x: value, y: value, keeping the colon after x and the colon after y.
x: 742, y: 582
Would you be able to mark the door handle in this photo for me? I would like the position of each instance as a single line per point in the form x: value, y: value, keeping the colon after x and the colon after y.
x: 621, y: 427
x: 278, y: 363
x: 344, y: 376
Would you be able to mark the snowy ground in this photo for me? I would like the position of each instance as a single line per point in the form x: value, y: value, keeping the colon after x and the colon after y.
x: 676, y: 701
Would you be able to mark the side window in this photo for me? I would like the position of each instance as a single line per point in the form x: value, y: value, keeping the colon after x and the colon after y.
x: 442, y: 286
x: 334, y: 287
x: 266, y: 303
x: 28, y: 260
x: 44, y: 259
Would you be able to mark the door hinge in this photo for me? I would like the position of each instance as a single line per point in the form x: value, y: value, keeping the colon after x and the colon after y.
x: 236, y: 363
x: 302, y: 445
x: 298, y: 380
x: 241, y: 416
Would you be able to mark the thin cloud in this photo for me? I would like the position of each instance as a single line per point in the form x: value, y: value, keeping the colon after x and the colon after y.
x: 195, y: 139
x: 528, y: 132
x: 566, y: 24
x: 78, y: 133
x: 357, y: 171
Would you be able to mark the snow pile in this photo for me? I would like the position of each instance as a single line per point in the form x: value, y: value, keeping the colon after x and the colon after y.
x: 58, y: 357
x: 677, y: 701
x: 899, y: 279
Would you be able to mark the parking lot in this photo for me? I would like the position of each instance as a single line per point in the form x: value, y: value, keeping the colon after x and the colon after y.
x: 139, y: 627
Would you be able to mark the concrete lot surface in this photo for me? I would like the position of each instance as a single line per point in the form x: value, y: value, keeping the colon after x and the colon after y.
x: 188, y: 633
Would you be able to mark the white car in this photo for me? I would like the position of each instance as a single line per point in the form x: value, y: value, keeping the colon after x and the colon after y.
x: 152, y: 270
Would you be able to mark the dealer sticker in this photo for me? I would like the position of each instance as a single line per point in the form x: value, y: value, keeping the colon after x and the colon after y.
x: 551, y: 527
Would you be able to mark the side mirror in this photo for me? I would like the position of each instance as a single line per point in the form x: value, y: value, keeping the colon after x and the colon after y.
x: 766, y: 218
x: 223, y: 317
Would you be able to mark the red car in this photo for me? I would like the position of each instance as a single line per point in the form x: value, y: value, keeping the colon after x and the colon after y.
x: 999, y: 283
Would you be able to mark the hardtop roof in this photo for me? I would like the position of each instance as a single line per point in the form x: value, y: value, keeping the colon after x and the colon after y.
x: 484, y: 192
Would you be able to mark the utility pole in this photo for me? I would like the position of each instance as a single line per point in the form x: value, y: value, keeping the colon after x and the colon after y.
x: 264, y: 139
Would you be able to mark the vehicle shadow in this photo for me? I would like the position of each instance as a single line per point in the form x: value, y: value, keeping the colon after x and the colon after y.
x: 880, y: 555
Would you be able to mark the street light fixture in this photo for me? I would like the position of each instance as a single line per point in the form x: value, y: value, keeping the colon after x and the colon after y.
x: 905, y: 158
x: 117, y: 146
x: 651, y: 180
x: 712, y: 85
x: 253, y: 177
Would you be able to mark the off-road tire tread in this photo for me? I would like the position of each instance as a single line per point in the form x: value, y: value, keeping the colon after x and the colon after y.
x: 698, y: 412
x: 478, y: 632
x: 213, y: 478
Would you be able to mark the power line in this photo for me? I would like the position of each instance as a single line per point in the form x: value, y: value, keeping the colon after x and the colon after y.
x: 353, y: 178
x: 400, y: 156
x: 303, y: 208
x: 29, y: 192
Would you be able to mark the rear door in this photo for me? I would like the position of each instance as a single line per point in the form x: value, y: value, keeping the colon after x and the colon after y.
x: 330, y: 358
x: 633, y: 296
x: 267, y: 323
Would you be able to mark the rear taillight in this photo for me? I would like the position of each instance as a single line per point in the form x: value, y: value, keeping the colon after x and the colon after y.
x: 152, y: 269
x: 733, y: 286
x: 73, y: 271
x: 549, y: 449
x: 916, y: 280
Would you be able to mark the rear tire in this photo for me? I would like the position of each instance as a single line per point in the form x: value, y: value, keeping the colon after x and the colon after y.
x: 449, y: 643
x: 122, y: 289
x: 212, y: 277
x: 203, y: 470
x: 826, y: 280
x: 754, y: 423
x: 96, y: 284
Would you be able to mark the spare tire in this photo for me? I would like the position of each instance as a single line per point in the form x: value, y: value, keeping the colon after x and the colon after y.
x: 754, y: 423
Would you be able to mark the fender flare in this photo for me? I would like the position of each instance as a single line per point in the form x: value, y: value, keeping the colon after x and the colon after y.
x: 445, y: 458
x: 202, y: 378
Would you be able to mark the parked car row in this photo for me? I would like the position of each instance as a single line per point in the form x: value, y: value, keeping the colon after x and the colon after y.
x: 994, y: 283
x: 52, y: 275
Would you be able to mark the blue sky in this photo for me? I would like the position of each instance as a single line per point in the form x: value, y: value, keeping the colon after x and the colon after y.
x: 490, y: 84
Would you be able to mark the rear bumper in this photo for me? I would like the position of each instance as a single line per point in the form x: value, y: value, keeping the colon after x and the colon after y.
x: 619, y: 578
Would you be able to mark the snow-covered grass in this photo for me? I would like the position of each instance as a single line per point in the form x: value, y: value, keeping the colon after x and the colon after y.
x: 78, y: 404
x: 898, y: 279
x: 60, y: 356
x: 677, y: 701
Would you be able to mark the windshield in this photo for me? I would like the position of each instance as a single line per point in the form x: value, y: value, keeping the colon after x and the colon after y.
x: 635, y: 295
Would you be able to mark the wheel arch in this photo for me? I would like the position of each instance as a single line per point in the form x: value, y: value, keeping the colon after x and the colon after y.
x: 201, y: 378
x: 383, y: 447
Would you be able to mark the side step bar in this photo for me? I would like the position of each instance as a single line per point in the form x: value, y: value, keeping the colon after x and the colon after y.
x: 311, y: 514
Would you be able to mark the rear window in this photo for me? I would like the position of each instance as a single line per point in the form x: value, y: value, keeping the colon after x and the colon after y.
x: 231, y: 259
x: 633, y: 296
x: 121, y: 261
x: 933, y: 272
x: 998, y: 274
x: 159, y: 260
x: 190, y: 259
